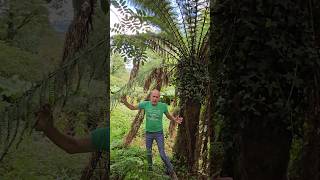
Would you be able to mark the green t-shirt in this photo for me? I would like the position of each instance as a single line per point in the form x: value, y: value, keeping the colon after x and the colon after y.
x: 100, y: 138
x: 154, y: 115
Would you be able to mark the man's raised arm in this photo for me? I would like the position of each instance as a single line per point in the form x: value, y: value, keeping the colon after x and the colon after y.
x: 67, y: 143
x: 130, y: 106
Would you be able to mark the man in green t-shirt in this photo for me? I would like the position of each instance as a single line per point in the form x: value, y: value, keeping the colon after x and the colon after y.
x: 154, y: 111
x: 97, y: 141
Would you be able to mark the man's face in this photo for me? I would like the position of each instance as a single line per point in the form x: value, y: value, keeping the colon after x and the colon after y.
x: 155, y: 97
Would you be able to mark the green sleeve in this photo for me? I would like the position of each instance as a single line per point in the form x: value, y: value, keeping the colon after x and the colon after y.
x: 142, y: 105
x: 101, y: 138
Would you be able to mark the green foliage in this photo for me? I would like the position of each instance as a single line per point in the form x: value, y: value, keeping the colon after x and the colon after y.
x: 167, y: 94
x: 13, y: 87
x: 130, y: 163
x: 182, y: 40
x: 25, y: 23
x: 269, y: 67
x: 265, y: 72
x: 117, y: 64
x: 294, y: 167
x: 120, y: 122
x: 192, y: 79
x: 37, y: 158
x: 15, y: 61
x: 129, y: 47
x: 84, y: 104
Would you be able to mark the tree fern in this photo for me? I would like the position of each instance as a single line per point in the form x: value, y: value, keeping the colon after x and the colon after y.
x: 182, y: 34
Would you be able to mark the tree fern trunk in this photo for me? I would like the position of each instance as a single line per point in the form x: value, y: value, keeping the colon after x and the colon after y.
x: 202, y: 151
x: 185, y: 146
x: 136, y: 123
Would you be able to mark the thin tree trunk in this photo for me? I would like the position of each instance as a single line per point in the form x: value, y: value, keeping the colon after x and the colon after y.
x: 173, y: 125
x: 134, y: 128
x: 87, y: 172
x: 172, y: 129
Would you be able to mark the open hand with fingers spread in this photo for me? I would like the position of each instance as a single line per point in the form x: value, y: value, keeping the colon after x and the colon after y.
x: 178, y: 119
x: 44, y: 118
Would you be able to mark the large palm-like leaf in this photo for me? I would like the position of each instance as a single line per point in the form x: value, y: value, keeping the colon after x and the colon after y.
x: 184, y: 23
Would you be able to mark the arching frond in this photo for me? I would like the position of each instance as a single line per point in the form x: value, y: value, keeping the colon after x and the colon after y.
x: 184, y: 24
x: 161, y: 14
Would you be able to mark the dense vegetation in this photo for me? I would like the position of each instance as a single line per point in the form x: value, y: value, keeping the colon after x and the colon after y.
x: 257, y: 115
x: 42, y: 65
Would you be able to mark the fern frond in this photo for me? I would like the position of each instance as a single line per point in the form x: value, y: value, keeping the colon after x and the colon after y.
x: 32, y: 99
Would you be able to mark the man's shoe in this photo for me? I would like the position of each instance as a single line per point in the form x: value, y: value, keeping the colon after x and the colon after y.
x: 173, y: 176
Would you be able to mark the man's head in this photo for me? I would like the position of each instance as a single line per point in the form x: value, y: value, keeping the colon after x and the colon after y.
x: 154, y: 97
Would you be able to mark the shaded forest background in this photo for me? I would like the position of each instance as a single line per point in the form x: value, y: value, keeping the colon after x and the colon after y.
x: 45, y: 60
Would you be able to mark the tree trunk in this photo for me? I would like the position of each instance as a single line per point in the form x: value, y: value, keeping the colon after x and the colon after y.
x: 264, y: 152
x: 185, y: 146
x: 310, y: 158
x: 214, y: 161
x: 258, y: 121
x: 87, y: 172
x: 172, y: 129
x: 173, y: 125
x: 202, y: 151
x: 134, y: 128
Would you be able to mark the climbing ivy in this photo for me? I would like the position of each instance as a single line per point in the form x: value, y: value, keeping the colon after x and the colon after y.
x: 191, y: 80
x: 268, y: 66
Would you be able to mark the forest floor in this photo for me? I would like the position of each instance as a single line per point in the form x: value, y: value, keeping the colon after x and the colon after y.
x: 37, y: 158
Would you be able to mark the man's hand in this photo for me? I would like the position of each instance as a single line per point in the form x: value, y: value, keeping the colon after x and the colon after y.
x: 178, y: 119
x: 44, y: 118
x: 123, y: 99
